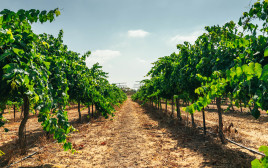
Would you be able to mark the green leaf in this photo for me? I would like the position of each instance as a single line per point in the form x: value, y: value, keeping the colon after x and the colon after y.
x: 48, y: 128
x: 246, y: 68
x: 57, y: 12
x: 4, y: 55
x: 68, y: 130
x: 264, y: 149
x: 6, y: 130
x: 258, y: 69
x: 47, y: 64
x: 45, y: 44
x: 251, y: 67
x: 67, y: 146
x: 239, y: 71
x: 2, y: 153
x: 264, y: 75
x: 36, y: 98
x: 256, y: 164
x: 26, y: 79
x: 266, y: 52
x: 255, y: 112
x: 10, y: 34
x: 240, y: 22
x: 1, y: 20
x: 8, y: 67
x: 18, y: 51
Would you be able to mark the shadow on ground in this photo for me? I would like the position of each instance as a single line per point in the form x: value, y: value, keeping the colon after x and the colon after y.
x: 43, y: 166
x: 215, y: 153
x: 35, y: 138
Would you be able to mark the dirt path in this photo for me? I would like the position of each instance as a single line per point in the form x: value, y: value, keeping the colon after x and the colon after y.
x: 127, y: 147
x: 138, y: 137
x: 140, y: 142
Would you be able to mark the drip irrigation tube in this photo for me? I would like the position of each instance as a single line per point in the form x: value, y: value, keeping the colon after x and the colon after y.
x: 251, y: 150
x: 233, y: 142
x: 240, y: 145
x: 34, y: 153
x: 22, y: 159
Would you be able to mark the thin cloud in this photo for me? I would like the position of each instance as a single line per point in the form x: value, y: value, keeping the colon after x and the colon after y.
x: 102, y: 56
x: 137, y: 33
x: 179, y: 39
x: 140, y: 60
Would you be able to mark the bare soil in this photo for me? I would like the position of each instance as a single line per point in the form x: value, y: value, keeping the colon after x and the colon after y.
x: 246, y: 129
x: 138, y: 136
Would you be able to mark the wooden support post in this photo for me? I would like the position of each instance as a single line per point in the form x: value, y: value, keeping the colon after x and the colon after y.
x: 221, y: 135
x: 204, y: 121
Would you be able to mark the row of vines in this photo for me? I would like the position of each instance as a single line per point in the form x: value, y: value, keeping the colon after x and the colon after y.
x: 226, y: 62
x: 40, y: 74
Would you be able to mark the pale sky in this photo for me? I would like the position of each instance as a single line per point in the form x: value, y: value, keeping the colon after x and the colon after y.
x: 126, y: 36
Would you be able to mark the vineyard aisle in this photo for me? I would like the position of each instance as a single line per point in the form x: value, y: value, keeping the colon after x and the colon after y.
x: 137, y: 137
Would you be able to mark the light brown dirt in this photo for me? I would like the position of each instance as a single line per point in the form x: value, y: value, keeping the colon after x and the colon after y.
x: 136, y: 137
x: 251, y: 132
